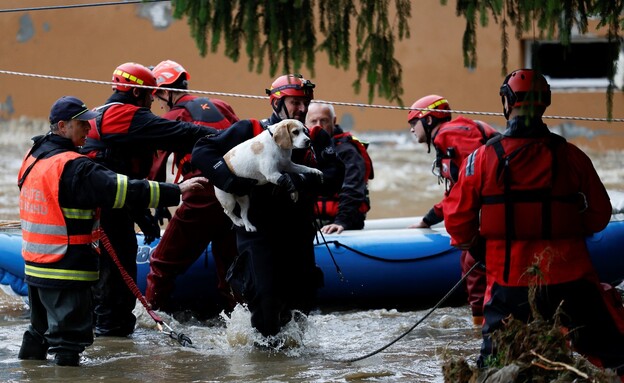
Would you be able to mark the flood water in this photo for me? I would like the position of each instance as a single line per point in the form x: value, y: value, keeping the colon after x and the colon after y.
x: 224, y: 351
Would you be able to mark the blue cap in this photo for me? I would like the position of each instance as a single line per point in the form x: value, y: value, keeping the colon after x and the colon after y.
x: 70, y: 108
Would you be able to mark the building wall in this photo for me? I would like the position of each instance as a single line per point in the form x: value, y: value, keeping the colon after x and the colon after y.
x: 89, y: 43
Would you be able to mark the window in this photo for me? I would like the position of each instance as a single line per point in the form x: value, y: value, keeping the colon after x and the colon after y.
x: 581, y: 65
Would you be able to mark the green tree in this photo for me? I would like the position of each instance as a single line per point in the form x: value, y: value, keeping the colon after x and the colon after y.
x: 284, y: 32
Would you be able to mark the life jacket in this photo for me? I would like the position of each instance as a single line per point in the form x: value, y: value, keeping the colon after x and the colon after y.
x: 258, y: 126
x: 454, y: 141
x: 530, y: 198
x: 202, y: 112
x: 327, y: 207
x: 53, y: 235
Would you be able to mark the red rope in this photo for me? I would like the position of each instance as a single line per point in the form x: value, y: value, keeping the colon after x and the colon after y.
x: 127, y: 278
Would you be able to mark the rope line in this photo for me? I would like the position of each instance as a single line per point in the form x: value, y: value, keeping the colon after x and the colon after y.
x: 183, y: 339
x: 86, y: 5
x: 339, y: 103
x: 440, y: 302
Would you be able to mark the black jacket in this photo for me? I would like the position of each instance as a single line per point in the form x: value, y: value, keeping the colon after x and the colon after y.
x: 126, y: 136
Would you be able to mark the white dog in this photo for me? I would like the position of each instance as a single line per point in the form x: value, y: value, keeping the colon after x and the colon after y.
x: 264, y: 158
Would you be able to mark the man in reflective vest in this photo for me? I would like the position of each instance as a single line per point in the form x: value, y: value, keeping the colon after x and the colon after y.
x: 453, y: 140
x: 346, y: 168
x: 61, y: 192
x: 534, y: 198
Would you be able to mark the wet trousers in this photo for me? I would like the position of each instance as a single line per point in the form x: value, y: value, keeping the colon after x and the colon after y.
x: 475, y: 283
x: 593, y: 330
x: 61, y: 318
x: 197, y: 222
x: 275, y: 276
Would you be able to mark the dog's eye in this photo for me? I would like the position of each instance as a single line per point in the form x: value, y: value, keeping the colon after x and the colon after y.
x: 295, y: 132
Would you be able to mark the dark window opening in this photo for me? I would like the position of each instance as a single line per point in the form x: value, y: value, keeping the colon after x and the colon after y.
x: 580, y: 60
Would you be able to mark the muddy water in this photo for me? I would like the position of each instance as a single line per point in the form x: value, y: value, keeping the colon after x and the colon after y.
x: 224, y: 351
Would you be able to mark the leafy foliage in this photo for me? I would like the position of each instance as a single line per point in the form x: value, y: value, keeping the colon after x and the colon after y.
x: 284, y: 32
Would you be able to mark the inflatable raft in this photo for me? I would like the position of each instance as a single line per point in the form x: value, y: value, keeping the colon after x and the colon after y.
x: 384, y: 265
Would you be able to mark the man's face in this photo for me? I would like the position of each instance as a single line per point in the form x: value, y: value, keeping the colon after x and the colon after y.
x: 418, y: 130
x: 297, y: 107
x: 75, y: 130
x: 162, y: 96
x: 319, y: 115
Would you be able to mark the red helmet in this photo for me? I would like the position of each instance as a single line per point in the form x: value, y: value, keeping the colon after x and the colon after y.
x: 432, y: 101
x: 525, y: 87
x: 168, y: 72
x: 132, y: 73
x: 293, y: 85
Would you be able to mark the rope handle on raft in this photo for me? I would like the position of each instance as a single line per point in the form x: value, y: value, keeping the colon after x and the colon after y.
x: 183, y: 339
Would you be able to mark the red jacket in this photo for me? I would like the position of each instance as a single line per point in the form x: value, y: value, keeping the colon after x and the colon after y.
x: 539, y: 208
x: 453, y: 142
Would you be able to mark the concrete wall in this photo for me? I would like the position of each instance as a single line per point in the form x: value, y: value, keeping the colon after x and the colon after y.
x: 89, y: 43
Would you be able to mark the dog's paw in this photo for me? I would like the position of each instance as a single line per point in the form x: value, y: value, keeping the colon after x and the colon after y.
x: 250, y: 228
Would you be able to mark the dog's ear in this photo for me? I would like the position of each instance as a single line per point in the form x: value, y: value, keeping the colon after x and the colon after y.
x: 282, y: 135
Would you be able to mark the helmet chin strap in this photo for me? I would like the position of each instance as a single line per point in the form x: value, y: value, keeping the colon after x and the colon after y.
x: 170, y: 100
x: 506, y: 110
x: 279, y: 107
x: 428, y: 129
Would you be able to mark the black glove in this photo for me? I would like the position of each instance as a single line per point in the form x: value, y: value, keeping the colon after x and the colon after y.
x: 311, y: 181
x: 321, y: 140
x: 293, y: 182
x: 161, y: 214
x: 477, y: 250
x: 148, y: 224
x: 240, y: 185
x: 287, y: 182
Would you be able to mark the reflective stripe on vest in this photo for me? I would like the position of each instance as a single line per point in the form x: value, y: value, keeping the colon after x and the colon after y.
x: 69, y: 275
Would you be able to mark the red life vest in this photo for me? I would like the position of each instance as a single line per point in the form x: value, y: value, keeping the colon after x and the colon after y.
x: 50, y: 230
x: 529, y: 198
x: 202, y: 112
x: 256, y: 126
x: 327, y: 207
x: 454, y: 141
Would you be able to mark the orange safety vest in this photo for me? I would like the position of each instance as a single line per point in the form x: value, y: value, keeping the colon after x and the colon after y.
x: 49, y: 230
